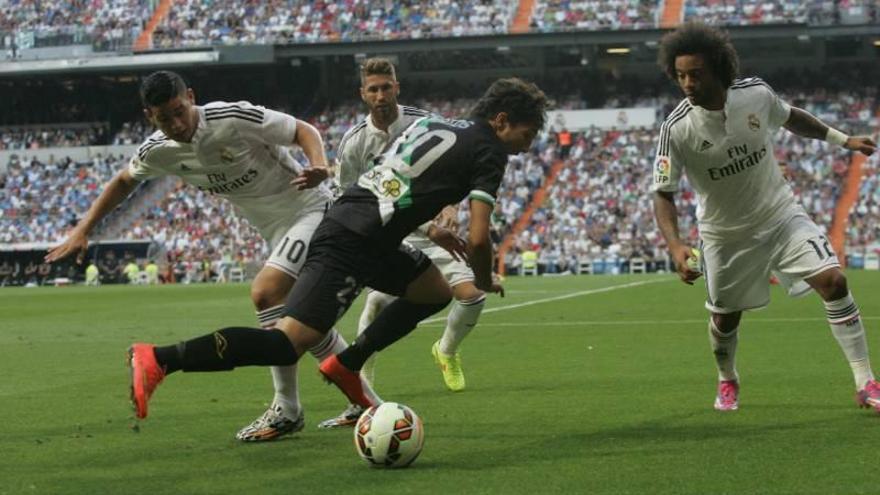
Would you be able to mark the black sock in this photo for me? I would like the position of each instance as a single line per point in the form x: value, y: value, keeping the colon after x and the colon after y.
x: 394, y: 323
x: 227, y: 349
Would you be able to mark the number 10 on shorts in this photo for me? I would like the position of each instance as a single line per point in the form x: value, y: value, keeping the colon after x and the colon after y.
x: 822, y: 247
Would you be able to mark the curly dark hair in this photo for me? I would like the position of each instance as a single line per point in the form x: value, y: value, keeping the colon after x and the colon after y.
x: 695, y: 38
x: 523, y: 102
x: 159, y: 87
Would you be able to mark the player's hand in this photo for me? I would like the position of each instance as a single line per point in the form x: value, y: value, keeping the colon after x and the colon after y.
x: 496, y: 288
x: 449, y: 241
x: 76, y: 243
x: 680, y: 254
x: 863, y: 144
x: 493, y: 287
x: 310, y: 177
x: 448, y: 218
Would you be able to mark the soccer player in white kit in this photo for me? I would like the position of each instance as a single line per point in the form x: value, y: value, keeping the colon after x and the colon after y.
x: 237, y: 151
x: 359, y: 147
x: 721, y: 137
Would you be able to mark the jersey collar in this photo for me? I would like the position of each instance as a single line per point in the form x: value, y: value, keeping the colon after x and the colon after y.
x: 201, y: 126
x: 393, y: 129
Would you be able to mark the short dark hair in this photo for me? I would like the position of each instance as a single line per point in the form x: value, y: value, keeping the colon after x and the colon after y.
x: 161, y: 86
x: 380, y: 66
x: 523, y: 102
x: 695, y: 38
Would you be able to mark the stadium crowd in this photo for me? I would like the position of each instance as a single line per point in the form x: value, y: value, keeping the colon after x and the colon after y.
x: 35, y: 137
x: 40, y: 201
x: 194, y: 23
x: 567, y: 15
x: 814, y: 12
x: 863, y: 232
x: 115, y: 24
x: 106, y: 24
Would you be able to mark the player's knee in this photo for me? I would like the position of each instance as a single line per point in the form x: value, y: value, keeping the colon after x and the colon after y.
x: 833, y: 286
x: 726, y: 323
x: 265, y: 297
x: 467, y: 293
x: 443, y: 294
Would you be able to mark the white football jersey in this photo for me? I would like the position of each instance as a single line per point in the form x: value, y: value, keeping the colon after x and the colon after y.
x: 239, y: 152
x: 728, y: 158
x: 364, y: 143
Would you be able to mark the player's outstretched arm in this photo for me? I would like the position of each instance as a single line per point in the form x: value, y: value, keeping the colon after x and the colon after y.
x: 309, y: 139
x: 667, y: 219
x: 114, y: 193
x: 480, y: 247
x: 803, y: 123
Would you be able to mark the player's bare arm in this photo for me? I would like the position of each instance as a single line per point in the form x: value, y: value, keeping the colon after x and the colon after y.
x: 803, y: 123
x: 448, y: 240
x: 309, y: 139
x: 480, y: 247
x: 114, y: 193
x: 666, y: 214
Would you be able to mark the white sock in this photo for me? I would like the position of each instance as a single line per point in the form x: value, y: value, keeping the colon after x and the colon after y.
x: 462, y: 319
x: 283, y: 377
x: 334, y: 343
x: 724, y: 348
x: 846, y: 325
x: 376, y: 302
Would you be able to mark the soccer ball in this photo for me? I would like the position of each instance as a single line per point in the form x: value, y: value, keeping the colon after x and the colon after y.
x: 389, y: 435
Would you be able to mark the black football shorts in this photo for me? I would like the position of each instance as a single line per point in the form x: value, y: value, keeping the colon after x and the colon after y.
x: 339, y: 264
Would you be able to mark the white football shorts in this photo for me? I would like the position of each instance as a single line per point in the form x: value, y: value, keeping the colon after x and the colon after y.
x: 737, y: 272
x: 455, y: 272
x: 291, y: 245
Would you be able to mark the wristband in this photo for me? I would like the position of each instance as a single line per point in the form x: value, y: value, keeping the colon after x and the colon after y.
x: 834, y: 136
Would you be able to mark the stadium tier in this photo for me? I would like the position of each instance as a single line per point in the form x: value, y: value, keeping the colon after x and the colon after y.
x: 117, y: 25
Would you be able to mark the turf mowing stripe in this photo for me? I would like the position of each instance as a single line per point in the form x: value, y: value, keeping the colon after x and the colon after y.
x: 645, y: 322
x: 561, y: 298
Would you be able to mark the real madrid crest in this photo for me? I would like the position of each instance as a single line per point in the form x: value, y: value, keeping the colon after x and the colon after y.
x: 754, y: 123
x: 226, y: 155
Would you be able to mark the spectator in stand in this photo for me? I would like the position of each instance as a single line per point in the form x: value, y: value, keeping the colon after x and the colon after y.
x: 564, y: 140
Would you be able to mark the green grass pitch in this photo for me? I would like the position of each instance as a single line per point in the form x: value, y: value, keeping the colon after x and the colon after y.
x: 603, y: 385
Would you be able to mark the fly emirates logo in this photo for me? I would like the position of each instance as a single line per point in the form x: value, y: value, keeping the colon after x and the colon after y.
x: 221, y: 184
x: 740, y: 159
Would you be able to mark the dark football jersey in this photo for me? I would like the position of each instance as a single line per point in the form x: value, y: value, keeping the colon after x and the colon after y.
x: 434, y: 163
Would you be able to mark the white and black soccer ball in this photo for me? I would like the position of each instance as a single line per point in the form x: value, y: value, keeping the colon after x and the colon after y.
x: 389, y: 435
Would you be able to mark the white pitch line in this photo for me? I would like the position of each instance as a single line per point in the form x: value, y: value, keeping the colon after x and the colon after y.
x: 650, y: 322
x: 560, y: 298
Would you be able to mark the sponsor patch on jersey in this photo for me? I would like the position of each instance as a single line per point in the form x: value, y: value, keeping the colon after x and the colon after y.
x: 754, y: 122
x: 662, y: 170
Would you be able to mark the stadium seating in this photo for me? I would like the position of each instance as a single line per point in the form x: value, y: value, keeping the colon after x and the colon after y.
x: 40, y: 201
x: 567, y: 15
x: 29, y: 138
x: 196, y: 23
x: 109, y: 25
x: 750, y: 12
x: 863, y: 233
